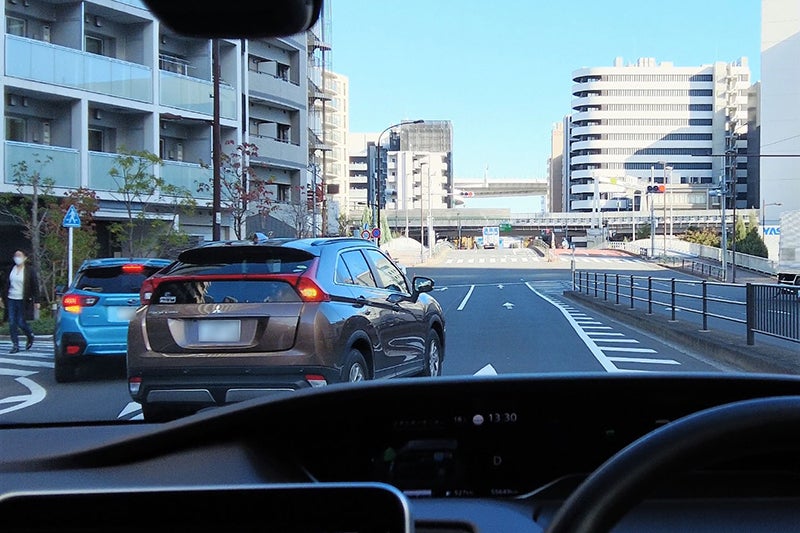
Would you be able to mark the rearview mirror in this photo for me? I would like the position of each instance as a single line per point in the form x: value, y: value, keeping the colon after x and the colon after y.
x: 422, y: 284
x: 237, y: 19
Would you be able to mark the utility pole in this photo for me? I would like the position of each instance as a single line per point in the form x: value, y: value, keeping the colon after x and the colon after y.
x: 723, y: 187
x: 216, y: 135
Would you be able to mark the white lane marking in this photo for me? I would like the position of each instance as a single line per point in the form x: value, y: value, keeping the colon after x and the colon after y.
x: 605, y: 334
x: 584, y: 322
x: 466, y: 298
x: 15, y: 372
x: 623, y: 349
x: 130, y: 408
x: 596, y: 327
x: 37, y: 394
x: 26, y: 362
x: 644, y: 360
x: 488, y: 370
x: 630, y: 341
x: 598, y: 354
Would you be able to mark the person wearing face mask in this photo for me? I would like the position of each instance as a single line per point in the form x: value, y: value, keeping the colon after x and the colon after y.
x: 20, y: 290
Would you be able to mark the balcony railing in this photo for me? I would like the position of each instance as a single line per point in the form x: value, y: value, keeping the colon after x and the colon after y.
x: 100, y: 164
x: 194, y: 94
x: 60, y: 164
x: 58, y: 65
x: 187, y: 175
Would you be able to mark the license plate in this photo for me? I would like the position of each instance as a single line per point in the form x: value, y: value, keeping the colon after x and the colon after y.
x: 121, y: 314
x: 218, y: 330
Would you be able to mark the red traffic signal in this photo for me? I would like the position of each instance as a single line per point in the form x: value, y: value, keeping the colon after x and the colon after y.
x: 656, y: 189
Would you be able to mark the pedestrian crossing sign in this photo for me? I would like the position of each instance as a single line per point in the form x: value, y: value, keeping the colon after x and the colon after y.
x: 71, y: 219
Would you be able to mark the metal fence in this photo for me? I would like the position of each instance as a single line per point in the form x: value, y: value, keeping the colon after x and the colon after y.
x: 768, y: 309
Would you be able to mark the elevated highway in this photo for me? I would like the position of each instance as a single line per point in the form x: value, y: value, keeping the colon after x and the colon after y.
x: 485, y: 188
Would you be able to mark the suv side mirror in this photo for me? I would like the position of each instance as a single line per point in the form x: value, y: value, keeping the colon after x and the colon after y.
x: 60, y: 290
x: 422, y: 284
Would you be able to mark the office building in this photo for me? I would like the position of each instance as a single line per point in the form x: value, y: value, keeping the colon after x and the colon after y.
x: 647, y: 121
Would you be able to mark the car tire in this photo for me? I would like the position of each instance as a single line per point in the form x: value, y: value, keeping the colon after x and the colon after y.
x: 433, y: 356
x: 65, y: 371
x: 355, y: 367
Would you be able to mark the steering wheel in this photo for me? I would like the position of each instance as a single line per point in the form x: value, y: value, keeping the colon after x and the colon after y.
x: 726, y: 431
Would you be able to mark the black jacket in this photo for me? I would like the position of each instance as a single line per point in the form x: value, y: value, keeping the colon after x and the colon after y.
x: 30, y: 289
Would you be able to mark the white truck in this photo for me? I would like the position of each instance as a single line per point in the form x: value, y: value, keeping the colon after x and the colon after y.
x: 491, y: 237
x: 789, y: 249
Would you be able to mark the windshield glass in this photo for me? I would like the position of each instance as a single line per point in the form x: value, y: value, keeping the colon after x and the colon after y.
x: 591, y: 187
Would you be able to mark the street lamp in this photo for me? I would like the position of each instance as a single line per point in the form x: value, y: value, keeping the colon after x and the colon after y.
x: 378, y: 188
x: 764, y: 205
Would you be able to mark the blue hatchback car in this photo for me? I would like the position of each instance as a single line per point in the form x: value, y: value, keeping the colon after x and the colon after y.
x: 92, y: 318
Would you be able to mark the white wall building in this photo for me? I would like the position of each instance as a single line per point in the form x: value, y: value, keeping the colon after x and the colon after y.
x: 630, y: 121
x: 780, y: 112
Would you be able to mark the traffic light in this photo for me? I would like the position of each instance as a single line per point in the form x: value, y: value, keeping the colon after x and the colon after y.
x: 656, y: 189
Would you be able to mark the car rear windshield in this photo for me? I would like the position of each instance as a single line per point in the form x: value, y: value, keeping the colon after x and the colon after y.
x: 241, y: 260
x: 113, y: 279
x: 224, y: 291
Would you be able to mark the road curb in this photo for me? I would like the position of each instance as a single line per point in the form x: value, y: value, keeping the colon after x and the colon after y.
x: 731, y: 350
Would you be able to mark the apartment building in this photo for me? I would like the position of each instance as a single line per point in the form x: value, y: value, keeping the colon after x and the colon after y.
x: 83, y: 80
x: 656, y: 122
x: 417, y: 166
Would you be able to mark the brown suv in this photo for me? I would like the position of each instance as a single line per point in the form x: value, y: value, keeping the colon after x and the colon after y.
x: 229, y: 321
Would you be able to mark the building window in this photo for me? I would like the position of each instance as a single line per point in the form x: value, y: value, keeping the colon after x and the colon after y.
x: 94, y: 45
x: 15, y: 26
x: 282, y: 71
x: 96, y: 140
x: 283, y: 193
x: 283, y: 133
x: 15, y: 129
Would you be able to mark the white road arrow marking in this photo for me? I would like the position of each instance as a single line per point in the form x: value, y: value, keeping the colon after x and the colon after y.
x: 500, y: 286
x: 488, y: 370
x: 508, y: 305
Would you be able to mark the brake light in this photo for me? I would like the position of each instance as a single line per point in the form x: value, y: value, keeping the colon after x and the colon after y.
x: 133, y: 268
x: 309, y: 291
x: 73, y: 303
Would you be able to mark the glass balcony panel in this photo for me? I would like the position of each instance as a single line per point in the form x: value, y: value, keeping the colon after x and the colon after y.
x: 48, y: 63
x: 194, y: 94
x: 64, y: 167
x: 187, y: 175
x: 100, y: 165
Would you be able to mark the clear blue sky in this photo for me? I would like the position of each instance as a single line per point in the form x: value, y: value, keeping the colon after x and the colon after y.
x: 500, y: 70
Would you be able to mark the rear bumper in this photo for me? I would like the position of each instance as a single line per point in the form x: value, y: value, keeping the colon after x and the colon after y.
x: 225, y: 386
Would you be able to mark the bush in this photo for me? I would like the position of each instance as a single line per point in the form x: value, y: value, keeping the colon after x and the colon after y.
x: 43, y: 326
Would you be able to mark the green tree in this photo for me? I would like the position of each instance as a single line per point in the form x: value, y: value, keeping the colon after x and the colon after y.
x: 704, y: 236
x: 55, y: 261
x: 242, y: 193
x: 152, y: 206
x: 28, y: 206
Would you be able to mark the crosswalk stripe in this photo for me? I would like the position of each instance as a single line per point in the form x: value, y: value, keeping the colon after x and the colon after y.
x: 26, y: 362
x: 643, y: 360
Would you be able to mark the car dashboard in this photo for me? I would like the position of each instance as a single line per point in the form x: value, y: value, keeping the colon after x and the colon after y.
x: 450, y: 454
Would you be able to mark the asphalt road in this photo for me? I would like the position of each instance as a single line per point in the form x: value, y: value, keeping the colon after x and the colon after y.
x: 506, y: 312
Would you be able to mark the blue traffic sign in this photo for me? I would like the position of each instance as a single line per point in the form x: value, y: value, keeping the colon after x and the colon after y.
x: 376, y: 232
x: 71, y: 219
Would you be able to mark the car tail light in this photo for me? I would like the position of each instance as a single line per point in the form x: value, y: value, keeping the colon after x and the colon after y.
x: 134, y: 384
x: 146, y: 291
x: 315, y: 380
x: 73, y: 303
x: 309, y: 291
x: 133, y: 268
